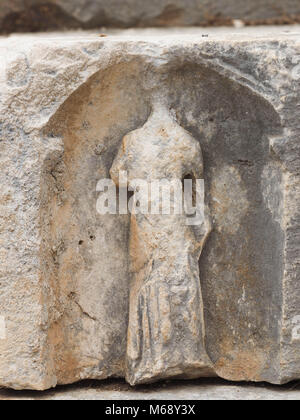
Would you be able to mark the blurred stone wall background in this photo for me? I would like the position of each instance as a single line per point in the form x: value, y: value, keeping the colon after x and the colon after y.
x: 42, y: 15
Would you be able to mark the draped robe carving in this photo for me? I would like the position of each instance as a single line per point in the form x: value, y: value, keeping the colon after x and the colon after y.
x: 166, y: 327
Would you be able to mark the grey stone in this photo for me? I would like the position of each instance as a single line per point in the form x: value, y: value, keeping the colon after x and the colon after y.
x: 38, y: 15
x: 200, y: 390
x: 66, y: 272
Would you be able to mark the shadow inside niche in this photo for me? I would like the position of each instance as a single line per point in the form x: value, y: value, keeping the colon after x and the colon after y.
x: 241, y: 264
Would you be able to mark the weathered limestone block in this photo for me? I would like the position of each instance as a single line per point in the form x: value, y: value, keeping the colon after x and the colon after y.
x: 85, y: 295
x: 39, y: 15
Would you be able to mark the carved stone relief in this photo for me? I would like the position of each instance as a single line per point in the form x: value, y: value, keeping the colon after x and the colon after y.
x: 161, y: 253
x: 166, y: 325
x: 147, y: 296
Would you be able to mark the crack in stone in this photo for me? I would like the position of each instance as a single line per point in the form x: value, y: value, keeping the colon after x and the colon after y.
x: 72, y: 297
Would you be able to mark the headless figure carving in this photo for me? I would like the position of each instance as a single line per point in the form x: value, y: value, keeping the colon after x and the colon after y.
x: 166, y: 328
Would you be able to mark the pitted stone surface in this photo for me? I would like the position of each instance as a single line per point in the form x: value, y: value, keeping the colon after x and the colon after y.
x: 66, y: 103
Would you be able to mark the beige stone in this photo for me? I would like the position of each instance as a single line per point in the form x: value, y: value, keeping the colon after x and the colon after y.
x: 166, y: 326
x: 67, y: 102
